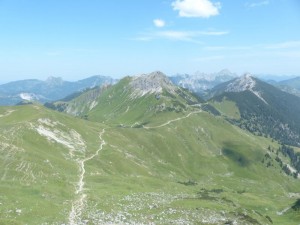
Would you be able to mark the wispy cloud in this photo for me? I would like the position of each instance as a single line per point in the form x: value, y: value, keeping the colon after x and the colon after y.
x: 284, y: 45
x: 169, y: 35
x: 227, y: 48
x: 176, y: 35
x: 257, y: 4
x: 288, y: 49
x: 159, y: 23
x: 213, y: 33
x: 70, y: 51
x: 196, y: 8
x: 188, y: 36
x: 210, y: 58
x: 287, y: 45
x: 141, y: 38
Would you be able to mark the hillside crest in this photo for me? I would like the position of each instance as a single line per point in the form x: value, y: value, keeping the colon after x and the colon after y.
x: 153, y: 83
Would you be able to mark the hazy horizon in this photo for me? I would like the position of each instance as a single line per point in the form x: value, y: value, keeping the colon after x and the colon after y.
x: 275, y: 77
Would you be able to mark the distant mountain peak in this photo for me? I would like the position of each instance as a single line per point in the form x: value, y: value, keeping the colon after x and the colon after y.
x: 154, y: 82
x: 244, y: 83
x: 225, y: 71
x: 201, y: 82
x: 54, y: 81
x: 52, y: 89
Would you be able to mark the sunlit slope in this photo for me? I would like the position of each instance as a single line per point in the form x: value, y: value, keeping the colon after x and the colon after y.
x: 200, y: 168
x: 186, y: 167
x: 79, y: 103
x: 263, y: 109
x: 123, y: 104
x: 39, y: 149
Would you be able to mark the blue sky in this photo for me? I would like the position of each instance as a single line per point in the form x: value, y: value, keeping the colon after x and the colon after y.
x: 75, y: 39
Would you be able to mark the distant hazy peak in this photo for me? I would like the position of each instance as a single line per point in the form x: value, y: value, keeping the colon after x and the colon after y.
x: 244, y: 83
x: 201, y: 82
x: 53, y: 81
x: 154, y: 82
x: 225, y: 73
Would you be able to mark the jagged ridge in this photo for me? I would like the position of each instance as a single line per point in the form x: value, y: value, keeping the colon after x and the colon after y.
x: 153, y: 83
x: 264, y: 109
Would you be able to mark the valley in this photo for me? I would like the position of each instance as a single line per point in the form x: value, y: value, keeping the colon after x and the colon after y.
x: 177, y: 112
x: 160, y: 157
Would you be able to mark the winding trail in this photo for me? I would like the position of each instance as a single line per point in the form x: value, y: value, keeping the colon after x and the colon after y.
x: 79, y: 203
x: 280, y: 213
x: 174, y: 120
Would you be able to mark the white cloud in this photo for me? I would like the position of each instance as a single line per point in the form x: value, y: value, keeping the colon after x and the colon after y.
x: 227, y: 48
x: 170, y: 35
x: 213, y: 33
x: 196, y: 8
x: 188, y: 36
x: 176, y: 35
x: 257, y: 4
x: 159, y: 23
x: 142, y: 38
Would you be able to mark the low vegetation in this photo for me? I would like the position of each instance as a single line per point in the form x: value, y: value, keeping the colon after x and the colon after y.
x: 147, y: 160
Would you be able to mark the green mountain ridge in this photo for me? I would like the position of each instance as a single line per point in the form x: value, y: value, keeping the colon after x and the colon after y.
x: 264, y: 109
x: 162, y: 161
x: 133, y: 100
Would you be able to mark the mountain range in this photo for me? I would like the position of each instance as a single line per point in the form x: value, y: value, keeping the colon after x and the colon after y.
x: 263, y: 109
x: 145, y: 151
x: 291, y: 86
x: 55, y: 88
x: 52, y: 89
x: 200, y: 83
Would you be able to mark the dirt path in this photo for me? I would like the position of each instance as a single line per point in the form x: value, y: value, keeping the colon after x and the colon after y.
x: 7, y: 113
x: 174, y: 120
x: 79, y: 203
x: 280, y: 213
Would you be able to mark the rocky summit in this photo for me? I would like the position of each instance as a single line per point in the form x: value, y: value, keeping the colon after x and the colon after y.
x: 154, y: 82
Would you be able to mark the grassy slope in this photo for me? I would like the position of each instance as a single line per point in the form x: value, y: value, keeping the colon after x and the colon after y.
x: 227, y: 108
x: 140, y: 174
x: 36, y: 177
x: 266, y: 119
x: 117, y: 106
x: 80, y: 103
x: 190, y: 150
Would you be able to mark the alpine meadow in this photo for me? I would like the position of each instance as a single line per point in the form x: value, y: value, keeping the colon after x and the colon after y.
x: 167, y: 146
